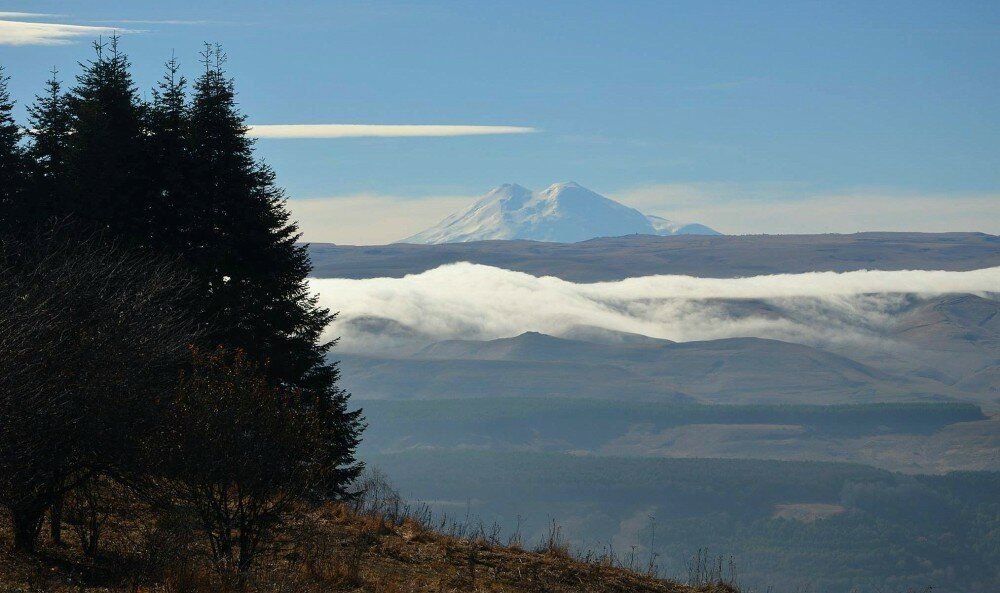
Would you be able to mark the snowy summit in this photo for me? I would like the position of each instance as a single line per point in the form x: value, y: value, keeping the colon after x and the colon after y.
x: 563, y: 213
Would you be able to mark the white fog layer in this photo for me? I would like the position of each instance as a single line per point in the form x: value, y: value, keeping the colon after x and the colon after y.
x: 471, y: 301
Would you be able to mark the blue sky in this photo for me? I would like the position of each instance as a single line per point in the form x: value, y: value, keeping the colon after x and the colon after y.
x: 751, y: 117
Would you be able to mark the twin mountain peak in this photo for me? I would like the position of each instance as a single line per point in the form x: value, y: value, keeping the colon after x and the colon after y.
x: 564, y: 213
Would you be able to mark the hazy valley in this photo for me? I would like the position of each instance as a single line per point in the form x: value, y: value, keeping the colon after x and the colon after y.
x: 676, y: 388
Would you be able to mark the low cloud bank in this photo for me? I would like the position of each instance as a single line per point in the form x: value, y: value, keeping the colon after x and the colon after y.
x: 471, y: 301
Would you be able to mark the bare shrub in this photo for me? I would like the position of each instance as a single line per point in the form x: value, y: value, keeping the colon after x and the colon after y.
x: 240, y: 453
x: 90, y: 340
x: 705, y: 570
x: 554, y: 544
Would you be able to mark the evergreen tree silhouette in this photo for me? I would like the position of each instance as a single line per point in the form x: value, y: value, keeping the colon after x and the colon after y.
x: 108, y: 185
x: 49, y: 130
x: 179, y: 177
x: 13, y: 162
x: 253, y: 271
x: 173, y: 213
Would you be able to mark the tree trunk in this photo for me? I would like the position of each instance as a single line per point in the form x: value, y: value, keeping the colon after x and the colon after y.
x: 27, y: 526
x: 93, y: 538
x: 55, y: 520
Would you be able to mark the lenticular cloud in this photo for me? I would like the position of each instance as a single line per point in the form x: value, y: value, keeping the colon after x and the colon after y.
x: 474, y: 301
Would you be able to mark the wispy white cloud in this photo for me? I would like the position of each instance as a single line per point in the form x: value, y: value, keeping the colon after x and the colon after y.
x: 368, y: 219
x: 791, y: 208
x: 482, y: 302
x: 162, y: 22
x: 36, y: 33
x: 22, y: 15
x: 288, y: 131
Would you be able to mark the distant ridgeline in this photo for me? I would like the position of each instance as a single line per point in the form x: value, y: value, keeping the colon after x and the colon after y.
x: 643, y: 255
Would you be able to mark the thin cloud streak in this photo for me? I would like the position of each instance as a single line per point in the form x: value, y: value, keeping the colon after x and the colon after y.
x: 298, y: 131
x: 34, y: 33
x: 164, y: 22
x: 23, y: 15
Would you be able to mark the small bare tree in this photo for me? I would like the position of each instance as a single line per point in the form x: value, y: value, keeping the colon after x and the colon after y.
x: 240, y: 452
x: 91, y: 340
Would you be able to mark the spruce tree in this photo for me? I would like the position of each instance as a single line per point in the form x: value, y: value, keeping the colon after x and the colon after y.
x: 107, y: 162
x: 173, y: 213
x: 49, y: 130
x: 252, y: 269
x: 12, y: 161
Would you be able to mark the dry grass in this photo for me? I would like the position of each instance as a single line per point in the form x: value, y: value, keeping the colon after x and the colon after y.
x: 330, y: 549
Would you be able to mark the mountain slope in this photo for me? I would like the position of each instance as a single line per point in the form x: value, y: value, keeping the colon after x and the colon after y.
x: 377, y: 542
x: 670, y: 227
x: 532, y: 346
x: 953, y: 339
x: 564, y: 212
x: 967, y: 319
x: 735, y: 370
x: 376, y: 377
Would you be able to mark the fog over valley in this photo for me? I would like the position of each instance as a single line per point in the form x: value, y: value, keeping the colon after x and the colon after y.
x: 468, y: 301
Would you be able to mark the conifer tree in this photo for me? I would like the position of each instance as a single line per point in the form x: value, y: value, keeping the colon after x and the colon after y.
x: 180, y: 178
x: 12, y: 160
x: 173, y: 213
x: 49, y: 130
x: 253, y: 271
x: 107, y: 173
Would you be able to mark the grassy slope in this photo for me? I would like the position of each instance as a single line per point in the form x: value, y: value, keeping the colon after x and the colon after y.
x: 333, y: 549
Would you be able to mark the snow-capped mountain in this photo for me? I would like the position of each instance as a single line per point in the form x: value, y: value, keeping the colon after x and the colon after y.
x: 672, y: 227
x: 564, y: 213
